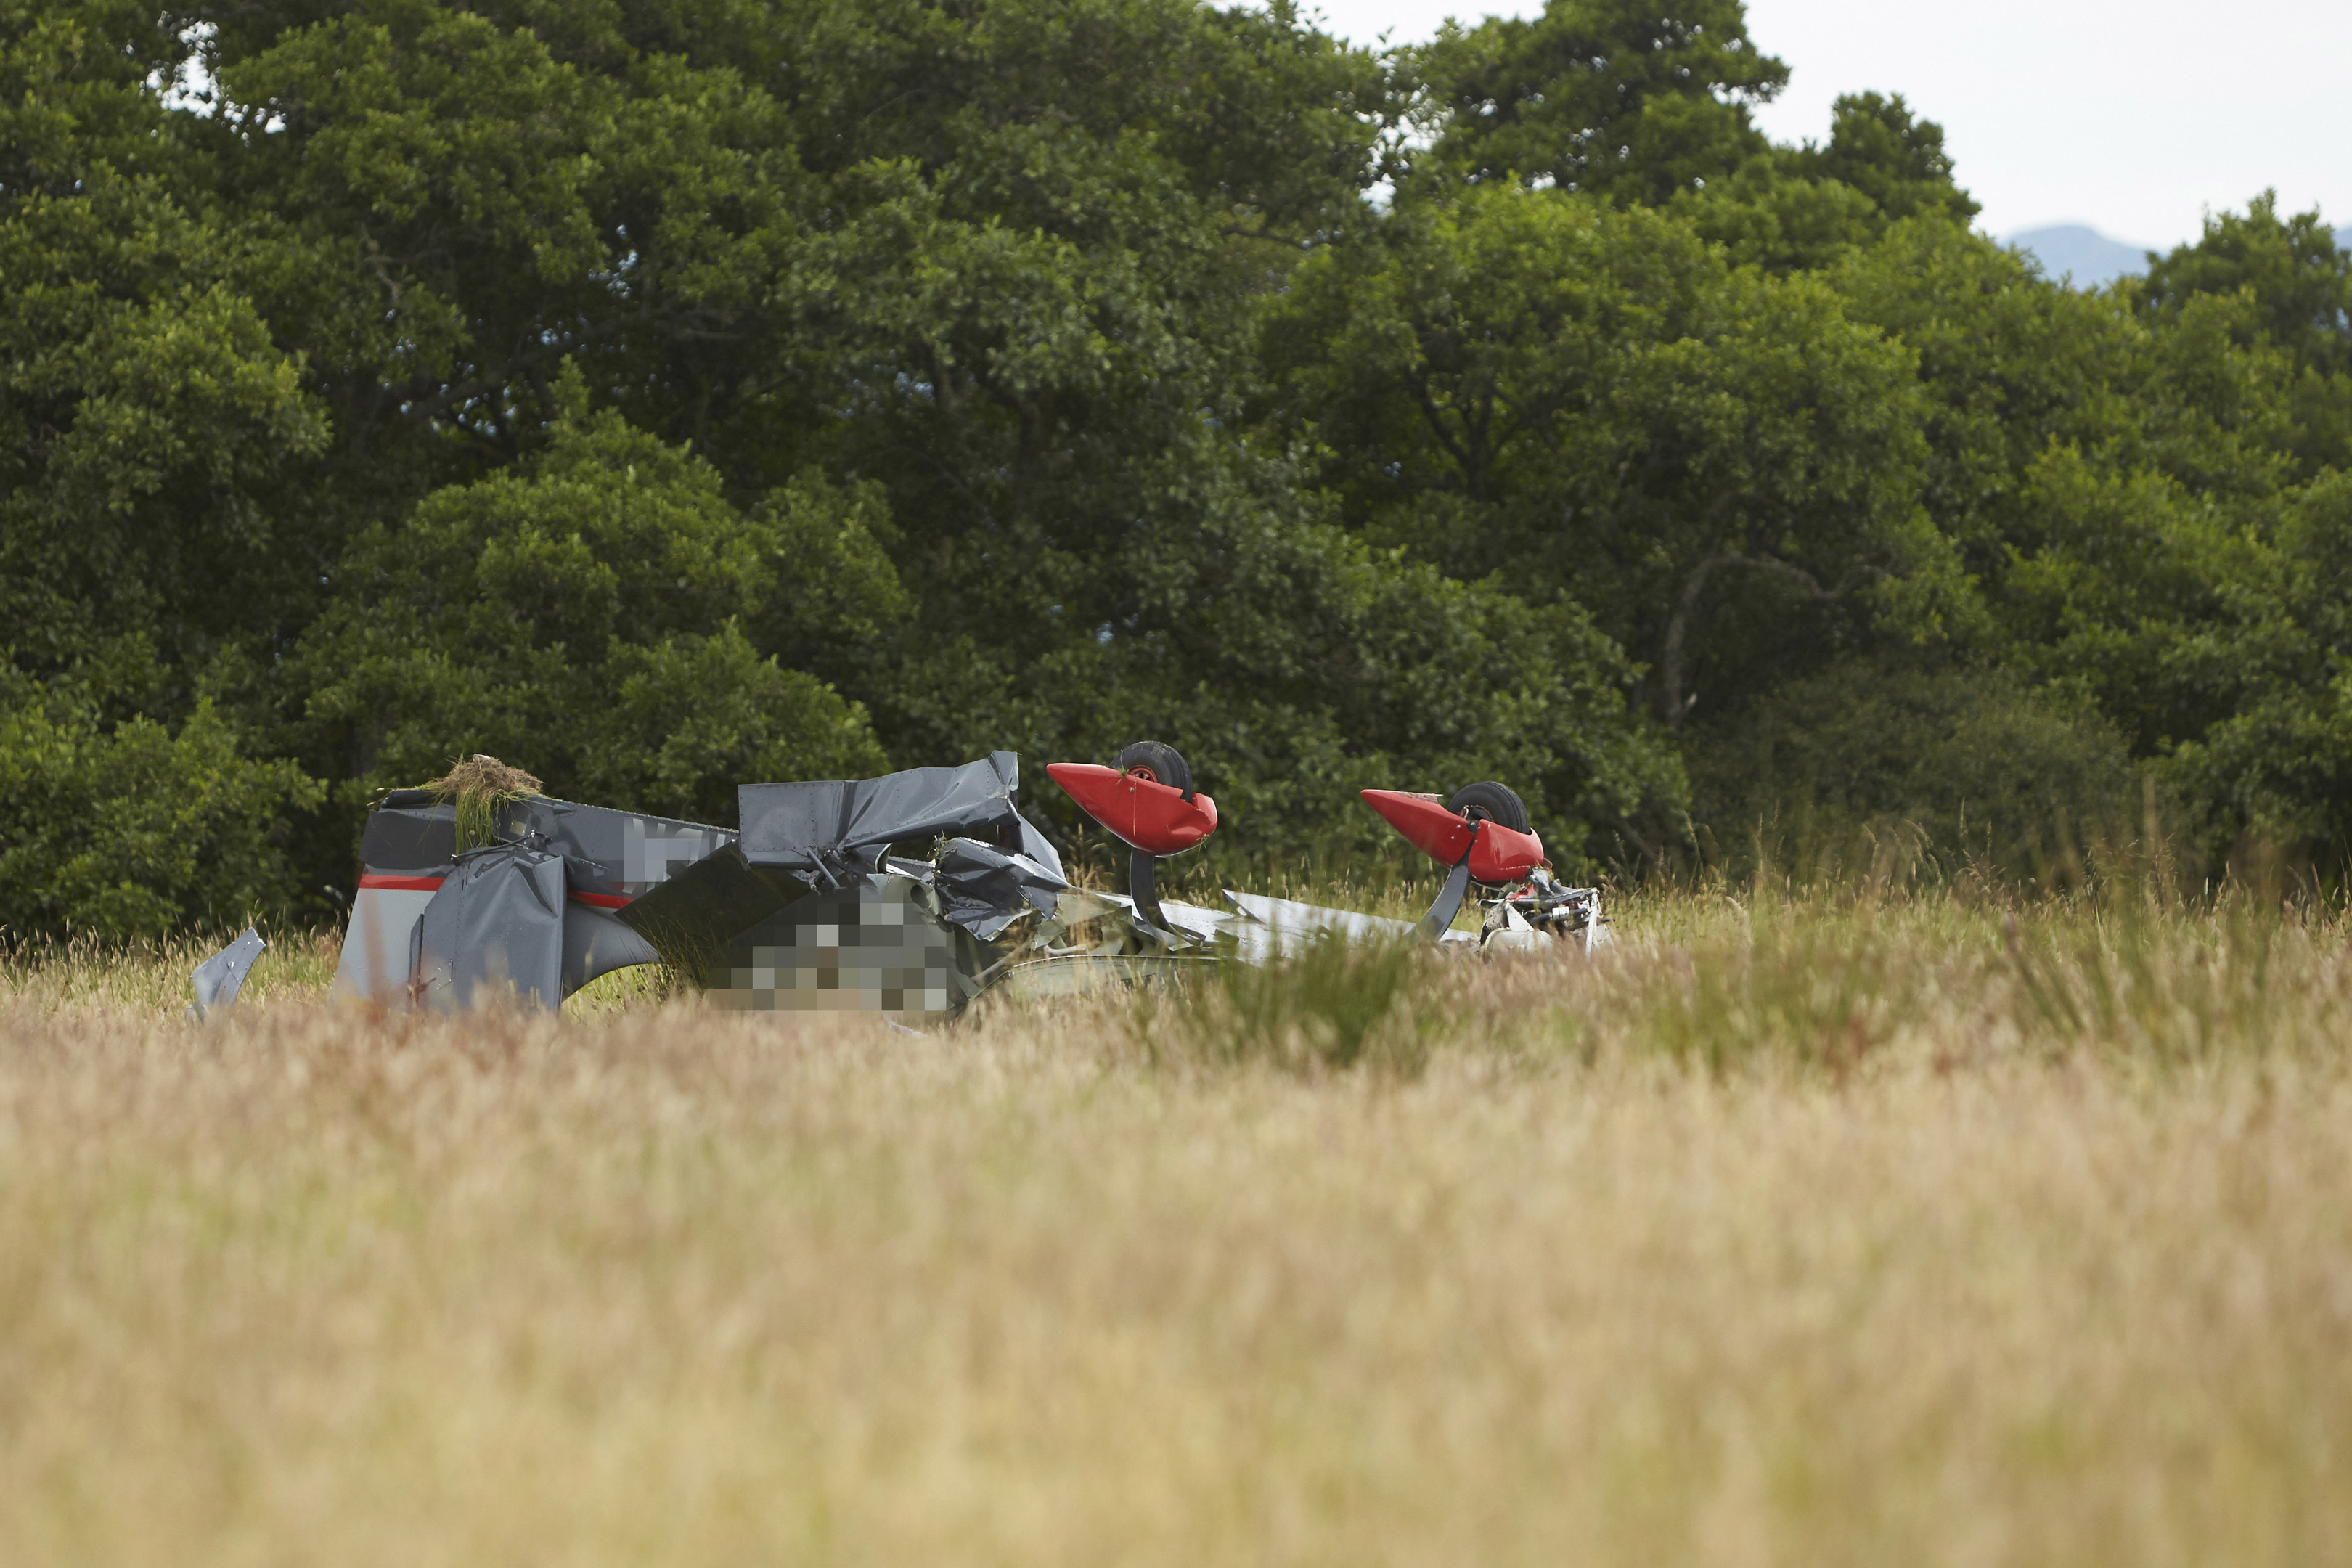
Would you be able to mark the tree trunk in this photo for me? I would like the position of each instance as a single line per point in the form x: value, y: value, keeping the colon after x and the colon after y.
x: 1670, y: 662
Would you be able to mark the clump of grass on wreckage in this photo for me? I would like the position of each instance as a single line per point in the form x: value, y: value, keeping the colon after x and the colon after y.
x: 481, y: 788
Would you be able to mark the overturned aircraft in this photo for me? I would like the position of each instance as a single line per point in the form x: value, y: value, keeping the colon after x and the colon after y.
x: 479, y: 887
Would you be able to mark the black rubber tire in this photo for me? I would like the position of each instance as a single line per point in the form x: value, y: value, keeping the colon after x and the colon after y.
x: 1157, y: 761
x: 1495, y: 803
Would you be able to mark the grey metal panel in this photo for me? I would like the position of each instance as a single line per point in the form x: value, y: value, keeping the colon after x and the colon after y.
x: 839, y: 828
x: 496, y: 925
x: 220, y: 977
x: 409, y: 833
x: 619, y: 854
x: 596, y: 942
x: 378, y: 945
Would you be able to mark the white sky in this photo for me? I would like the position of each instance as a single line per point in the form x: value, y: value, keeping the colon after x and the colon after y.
x: 2133, y: 116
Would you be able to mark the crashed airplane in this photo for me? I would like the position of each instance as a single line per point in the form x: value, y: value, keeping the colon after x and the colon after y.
x: 480, y: 886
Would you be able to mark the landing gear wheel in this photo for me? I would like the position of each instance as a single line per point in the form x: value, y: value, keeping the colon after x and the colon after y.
x: 1156, y: 761
x: 1162, y: 763
x: 1497, y: 803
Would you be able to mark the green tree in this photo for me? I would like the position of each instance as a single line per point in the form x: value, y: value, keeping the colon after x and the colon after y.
x: 593, y: 618
x: 150, y: 428
x: 945, y: 375
x: 2274, y: 764
x: 1868, y: 757
x: 2113, y: 479
x: 2298, y: 283
x: 1796, y: 208
x: 2012, y: 365
x: 1617, y: 98
x: 1877, y: 147
x: 1591, y: 407
x: 134, y: 829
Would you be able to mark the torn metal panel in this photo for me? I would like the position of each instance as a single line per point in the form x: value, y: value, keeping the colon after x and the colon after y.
x: 1551, y: 911
x: 984, y: 890
x: 1190, y: 922
x: 1508, y: 931
x: 873, y: 945
x: 1277, y: 928
x: 596, y: 942
x: 922, y: 936
x: 1125, y: 948
x: 841, y: 828
x: 495, y: 927
x: 410, y: 831
x: 1270, y: 928
x: 219, y: 978
x: 692, y: 920
x: 630, y: 854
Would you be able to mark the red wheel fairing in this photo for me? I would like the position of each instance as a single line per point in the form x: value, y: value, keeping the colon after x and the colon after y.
x: 1139, y: 809
x: 1500, y: 853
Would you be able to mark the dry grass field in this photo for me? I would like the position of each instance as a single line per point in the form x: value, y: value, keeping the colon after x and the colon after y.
x: 1840, y: 1231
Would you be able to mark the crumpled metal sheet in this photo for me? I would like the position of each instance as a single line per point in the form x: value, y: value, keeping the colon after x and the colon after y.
x: 841, y: 828
x: 1190, y: 924
x: 984, y: 890
x: 220, y: 977
x: 495, y: 927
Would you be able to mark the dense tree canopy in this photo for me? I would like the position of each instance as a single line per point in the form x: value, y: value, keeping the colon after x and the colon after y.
x: 665, y: 396
x: 1617, y: 98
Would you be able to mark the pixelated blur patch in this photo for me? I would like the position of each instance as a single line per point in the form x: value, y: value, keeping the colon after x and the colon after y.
x: 870, y: 946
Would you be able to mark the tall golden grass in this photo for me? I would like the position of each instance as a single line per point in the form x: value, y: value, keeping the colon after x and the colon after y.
x: 1813, y: 1231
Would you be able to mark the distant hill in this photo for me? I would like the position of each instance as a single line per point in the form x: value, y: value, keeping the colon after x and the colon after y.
x: 2089, y: 255
x: 2092, y: 259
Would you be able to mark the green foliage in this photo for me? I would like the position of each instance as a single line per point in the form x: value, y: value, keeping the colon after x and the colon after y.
x: 2297, y: 284
x: 133, y: 829
x: 1877, y: 147
x: 1968, y: 765
x: 587, y: 616
x: 148, y: 426
x: 1794, y: 209
x: 1614, y: 98
x: 2300, y: 282
x: 2275, y: 763
x: 1592, y: 406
